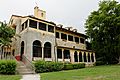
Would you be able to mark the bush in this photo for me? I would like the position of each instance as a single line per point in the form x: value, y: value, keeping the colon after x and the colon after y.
x: 43, y: 66
x: 79, y: 65
x: 7, y: 66
x: 68, y: 66
x: 74, y: 66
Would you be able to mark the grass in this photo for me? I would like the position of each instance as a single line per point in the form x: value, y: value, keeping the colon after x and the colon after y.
x: 94, y: 73
x: 10, y: 77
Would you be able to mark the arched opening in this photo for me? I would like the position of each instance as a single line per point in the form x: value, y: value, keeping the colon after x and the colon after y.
x: 37, y: 49
x: 66, y: 54
x: 88, y: 57
x: 92, y: 57
x: 47, y: 50
x: 22, y: 50
x: 80, y: 57
x: 75, y: 57
x: 85, y: 59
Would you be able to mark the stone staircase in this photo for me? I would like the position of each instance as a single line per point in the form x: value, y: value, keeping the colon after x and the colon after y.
x: 23, y: 69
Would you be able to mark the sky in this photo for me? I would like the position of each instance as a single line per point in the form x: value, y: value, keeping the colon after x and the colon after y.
x: 70, y: 13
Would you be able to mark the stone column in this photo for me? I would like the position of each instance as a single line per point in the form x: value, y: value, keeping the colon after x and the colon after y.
x: 42, y: 53
x: 28, y: 23
x: 47, y: 27
x: 82, y: 56
x: 78, y: 56
x: 94, y: 57
x: 37, y: 25
x: 63, y: 54
x: 60, y: 35
x: 90, y: 57
x: 87, y: 56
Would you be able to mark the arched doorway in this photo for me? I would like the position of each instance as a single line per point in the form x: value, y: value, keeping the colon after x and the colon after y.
x: 47, y: 50
x: 80, y: 57
x: 37, y: 49
x: 88, y: 57
x: 85, y: 59
x: 92, y: 57
x: 75, y: 57
x: 22, y: 50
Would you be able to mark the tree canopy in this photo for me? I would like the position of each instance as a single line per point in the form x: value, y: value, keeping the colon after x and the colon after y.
x: 103, y: 29
x: 6, y: 33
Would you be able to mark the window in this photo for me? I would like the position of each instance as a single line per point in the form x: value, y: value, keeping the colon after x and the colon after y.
x: 26, y: 24
x: 22, y: 26
x: 63, y: 36
x: 76, y: 39
x: 82, y: 40
x: 37, y: 49
x: 50, y: 28
x: 33, y: 24
x: 59, y: 53
x: 57, y: 35
x: 42, y: 14
x: 47, y: 50
x: 70, y: 38
x: 42, y: 26
x: 66, y: 54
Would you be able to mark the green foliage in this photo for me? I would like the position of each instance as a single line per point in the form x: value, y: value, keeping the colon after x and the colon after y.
x: 7, y: 66
x: 6, y: 33
x: 98, y: 63
x: 43, y: 66
x: 74, y: 66
x: 68, y: 67
x: 103, y: 29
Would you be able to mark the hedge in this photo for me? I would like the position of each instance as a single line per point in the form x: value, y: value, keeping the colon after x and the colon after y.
x: 7, y: 66
x: 74, y: 66
x: 43, y: 66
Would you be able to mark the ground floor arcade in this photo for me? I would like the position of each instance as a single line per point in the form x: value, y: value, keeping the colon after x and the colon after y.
x: 73, y: 56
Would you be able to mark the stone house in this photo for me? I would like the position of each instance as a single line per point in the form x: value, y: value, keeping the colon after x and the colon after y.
x: 40, y: 39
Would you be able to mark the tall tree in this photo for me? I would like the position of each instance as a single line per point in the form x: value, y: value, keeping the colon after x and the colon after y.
x: 103, y: 29
x: 6, y: 34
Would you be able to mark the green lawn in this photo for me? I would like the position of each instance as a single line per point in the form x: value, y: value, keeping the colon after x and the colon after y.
x: 93, y: 73
x: 10, y: 77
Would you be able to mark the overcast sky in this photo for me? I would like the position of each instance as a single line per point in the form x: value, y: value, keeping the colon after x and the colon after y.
x: 67, y: 12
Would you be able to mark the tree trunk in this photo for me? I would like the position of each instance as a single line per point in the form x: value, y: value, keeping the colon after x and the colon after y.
x: 0, y: 51
x: 119, y: 60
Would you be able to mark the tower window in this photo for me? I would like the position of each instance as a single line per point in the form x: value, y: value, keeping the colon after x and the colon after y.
x: 42, y: 14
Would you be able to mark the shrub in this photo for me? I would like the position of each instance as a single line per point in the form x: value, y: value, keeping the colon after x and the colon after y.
x: 74, y: 66
x: 7, y: 66
x: 43, y: 66
x: 79, y: 65
x: 68, y: 66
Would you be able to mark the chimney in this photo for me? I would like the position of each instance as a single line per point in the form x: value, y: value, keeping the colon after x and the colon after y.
x: 39, y: 13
